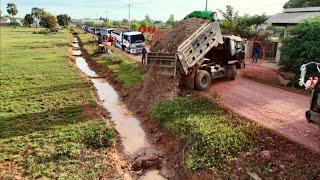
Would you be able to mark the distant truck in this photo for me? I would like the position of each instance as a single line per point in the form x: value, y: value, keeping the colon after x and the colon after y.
x: 106, y: 33
x: 129, y: 41
x: 204, y: 56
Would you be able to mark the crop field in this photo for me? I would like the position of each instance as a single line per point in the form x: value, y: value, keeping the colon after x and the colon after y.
x: 48, y: 126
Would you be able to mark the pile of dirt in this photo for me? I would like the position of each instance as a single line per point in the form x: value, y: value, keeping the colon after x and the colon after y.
x: 151, y: 90
x: 154, y: 88
x: 179, y: 33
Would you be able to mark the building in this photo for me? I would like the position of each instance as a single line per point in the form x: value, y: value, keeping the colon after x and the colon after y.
x: 291, y: 17
x: 4, y: 21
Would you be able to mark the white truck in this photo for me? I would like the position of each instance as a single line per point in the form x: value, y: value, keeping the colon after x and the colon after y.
x: 131, y: 42
x: 204, y: 56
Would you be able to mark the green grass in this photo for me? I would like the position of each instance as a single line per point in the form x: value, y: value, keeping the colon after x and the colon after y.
x: 211, y: 137
x: 126, y: 71
x: 47, y: 110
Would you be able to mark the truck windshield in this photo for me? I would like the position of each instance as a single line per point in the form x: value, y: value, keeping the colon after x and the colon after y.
x: 139, y: 38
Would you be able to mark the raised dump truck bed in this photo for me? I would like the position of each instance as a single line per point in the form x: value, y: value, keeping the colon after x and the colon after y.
x: 193, y: 50
x: 197, y: 70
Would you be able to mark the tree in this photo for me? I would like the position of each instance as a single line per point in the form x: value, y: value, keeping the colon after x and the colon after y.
x: 12, y: 10
x: 135, y: 25
x: 48, y: 21
x: 146, y: 22
x: 125, y: 22
x: 28, y: 20
x: 170, y: 20
x: 116, y: 24
x: 244, y: 26
x: 301, y: 3
x: 63, y: 20
x: 37, y: 13
x: 300, y: 47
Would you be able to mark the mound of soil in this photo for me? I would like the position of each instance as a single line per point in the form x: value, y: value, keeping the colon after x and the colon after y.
x: 151, y: 90
x: 179, y: 33
x: 154, y: 88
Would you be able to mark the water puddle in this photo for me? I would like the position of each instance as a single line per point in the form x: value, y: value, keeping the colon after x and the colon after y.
x: 132, y: 135
x: 152, y: 175
x: 83, y: 66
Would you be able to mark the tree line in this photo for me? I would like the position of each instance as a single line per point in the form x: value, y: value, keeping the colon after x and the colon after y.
x: 39, y: 16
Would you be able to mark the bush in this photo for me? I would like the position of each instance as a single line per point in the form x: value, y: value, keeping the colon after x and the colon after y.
x: 97, y: 137
x: 48, y: 21
x: 301, y: 47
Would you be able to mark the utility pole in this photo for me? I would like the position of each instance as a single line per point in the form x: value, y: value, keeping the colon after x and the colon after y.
x: 130, y: 5
x: 206, y: 5
x: 107, y: 12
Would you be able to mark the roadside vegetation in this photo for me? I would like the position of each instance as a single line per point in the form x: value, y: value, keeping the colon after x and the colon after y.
x: 213, y: 138
x: 301, y: 47
x: 226, y: 145
x: 124, y: 69
x: 49, y: 127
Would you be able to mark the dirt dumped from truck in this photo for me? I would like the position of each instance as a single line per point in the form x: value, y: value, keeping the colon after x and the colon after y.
x: 151, y: 90
x: 179, y: 33
x: 155, y: 88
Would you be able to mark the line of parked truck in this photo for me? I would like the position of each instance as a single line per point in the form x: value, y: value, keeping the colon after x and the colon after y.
x: 129, y: 41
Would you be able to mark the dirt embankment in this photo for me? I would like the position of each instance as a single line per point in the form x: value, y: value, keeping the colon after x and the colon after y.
x: 179, y: 33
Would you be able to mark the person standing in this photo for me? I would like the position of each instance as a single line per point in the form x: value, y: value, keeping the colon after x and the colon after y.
x: 144, y: 54
x: 256, y: 53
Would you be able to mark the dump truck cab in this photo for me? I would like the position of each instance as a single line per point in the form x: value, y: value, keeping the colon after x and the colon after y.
x: 235, y: 50
x: 313, y: 115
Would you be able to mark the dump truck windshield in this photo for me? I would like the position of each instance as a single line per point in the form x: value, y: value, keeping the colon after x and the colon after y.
x: 139, y: 38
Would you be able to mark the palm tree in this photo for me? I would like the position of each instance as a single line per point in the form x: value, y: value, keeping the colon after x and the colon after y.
x: 12, y: 10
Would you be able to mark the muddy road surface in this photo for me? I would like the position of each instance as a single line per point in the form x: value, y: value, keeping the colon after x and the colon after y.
x: 274, y: 108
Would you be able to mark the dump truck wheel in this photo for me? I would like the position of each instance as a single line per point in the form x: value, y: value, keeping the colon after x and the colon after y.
x: 202, y: 80
x: 231, y: 72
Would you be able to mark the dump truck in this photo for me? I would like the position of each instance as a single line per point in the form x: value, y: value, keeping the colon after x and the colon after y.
x: 206, y: 55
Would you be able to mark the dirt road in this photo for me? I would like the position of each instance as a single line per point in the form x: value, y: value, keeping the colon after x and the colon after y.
x: 274, y: 108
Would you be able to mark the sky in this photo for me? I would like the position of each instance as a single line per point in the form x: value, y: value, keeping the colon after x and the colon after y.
x: 156, y: 9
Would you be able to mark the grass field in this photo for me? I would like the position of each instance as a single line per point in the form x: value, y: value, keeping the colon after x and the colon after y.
x: 125, y: 70
x: 48, y: 123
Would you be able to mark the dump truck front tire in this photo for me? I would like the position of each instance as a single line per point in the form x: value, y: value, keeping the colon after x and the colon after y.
x: 202, y: 80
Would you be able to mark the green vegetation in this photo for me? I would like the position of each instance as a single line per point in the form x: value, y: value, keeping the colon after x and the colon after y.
x: 47, y: 111
x: 28, y: 20
x: 302, y: 46
x: 301, y: 3
x: 63, y: 20
x: 245, y: 26
x: 12, y: 10
x: 212, y: 138
x: 125, y: 70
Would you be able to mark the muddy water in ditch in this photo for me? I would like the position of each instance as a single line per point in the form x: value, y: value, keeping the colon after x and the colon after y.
x: 132, y: 135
